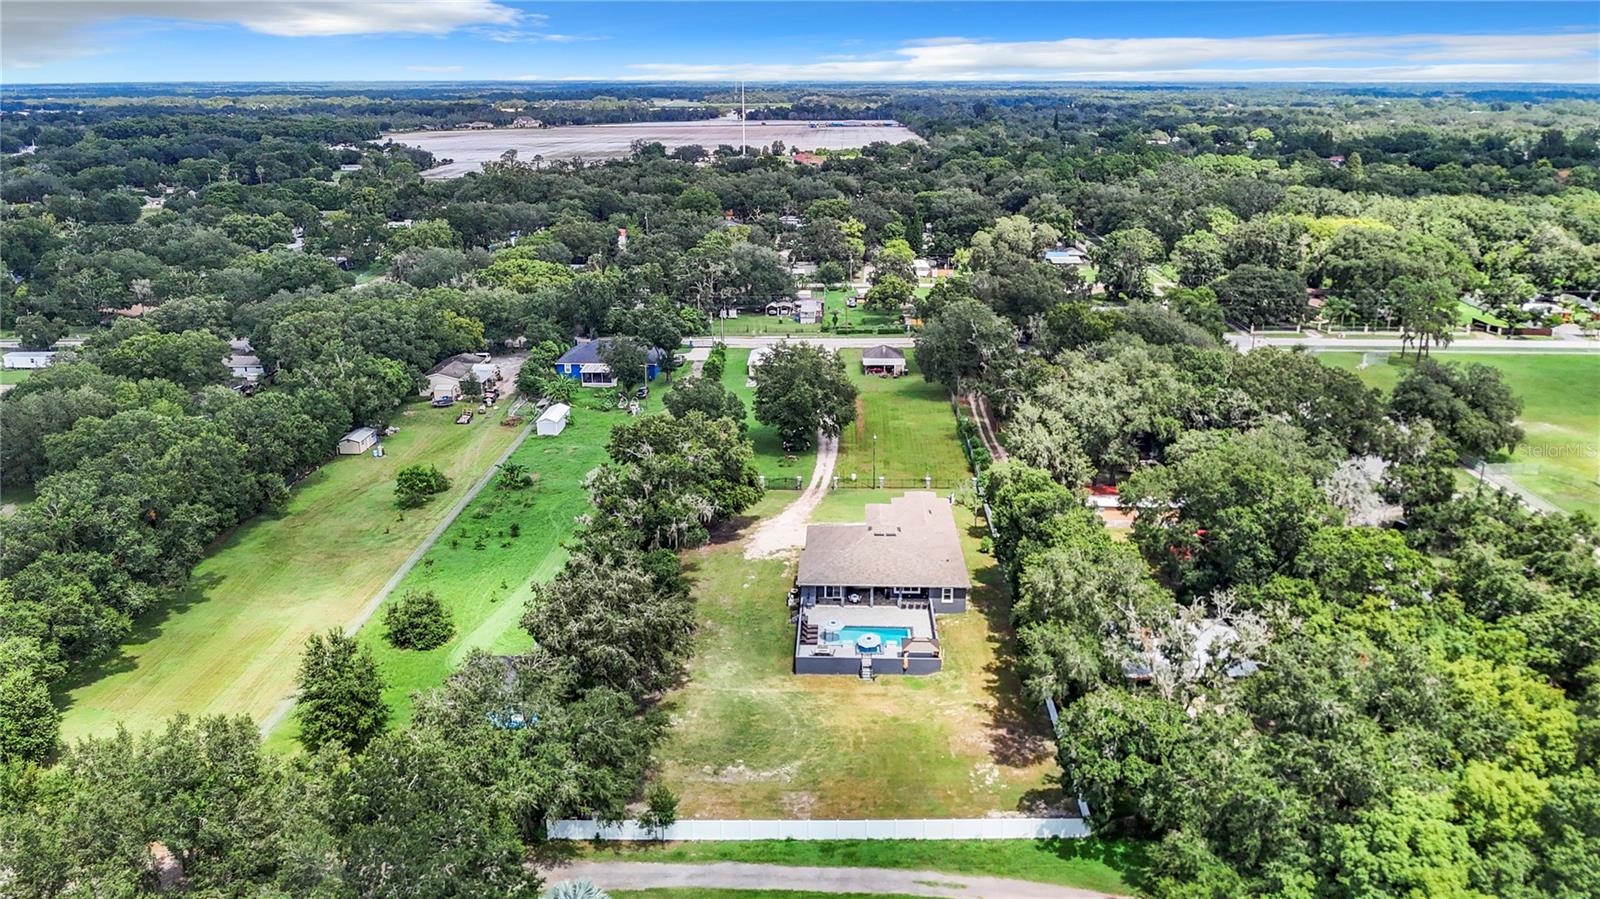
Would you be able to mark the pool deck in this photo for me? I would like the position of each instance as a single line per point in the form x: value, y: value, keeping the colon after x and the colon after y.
x: 918, y: 621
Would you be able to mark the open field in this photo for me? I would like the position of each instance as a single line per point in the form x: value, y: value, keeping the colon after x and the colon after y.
x: 14, y: 375
x: 1092, y: 864
x: 482, y: 572
x: 771, y: 460
x: 914, y: 424
x: 468, y: 150
x: 750, y: 739
x: 1560, y: 458
x: 231, y: 642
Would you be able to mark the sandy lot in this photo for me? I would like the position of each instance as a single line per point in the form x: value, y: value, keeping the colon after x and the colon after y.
x: 470, y: 149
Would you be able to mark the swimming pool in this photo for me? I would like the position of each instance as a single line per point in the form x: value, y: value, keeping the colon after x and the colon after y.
x: 889, y: 635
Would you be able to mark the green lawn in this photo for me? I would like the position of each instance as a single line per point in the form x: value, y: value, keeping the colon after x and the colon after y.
x: 753, y: 740
x: 481, y: 572
x: 14, y: 375
x: 833, y: 301
x: 1560, y: 457
x: 231, y: 642
x: 1090, y: 864
x: 914, y: 426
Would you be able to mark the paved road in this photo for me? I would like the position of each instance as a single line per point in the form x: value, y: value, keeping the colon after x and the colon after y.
x: 740, y: 876
x: 1247, y: 342
x: 282, y: 709
x: 65, y: 343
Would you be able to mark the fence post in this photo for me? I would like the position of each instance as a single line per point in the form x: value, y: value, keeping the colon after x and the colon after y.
x: 763, y: 479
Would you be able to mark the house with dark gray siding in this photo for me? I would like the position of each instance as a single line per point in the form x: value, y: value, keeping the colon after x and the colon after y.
x: 869, y: 592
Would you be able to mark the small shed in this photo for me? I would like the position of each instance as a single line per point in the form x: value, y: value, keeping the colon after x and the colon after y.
x: 883, y: 360
x: 553, y: 420
x: 358, y: 441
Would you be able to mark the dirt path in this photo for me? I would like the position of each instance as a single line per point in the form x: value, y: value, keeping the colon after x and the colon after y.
x: 282, y: 709
x: 979, y: 406
x: 787, y: 530
x: 737, y: 876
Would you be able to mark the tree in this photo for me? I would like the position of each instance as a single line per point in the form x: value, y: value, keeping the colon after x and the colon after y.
x: 190, y: 359
x: 1256, y: 295
x: 35, y: 332
x: 1427, y: 310
x: 656, y: 324
x: 29, y: 721
x: 707, y: 397
x: 1198, y: 258
x: 1123, y: 262
x: 341, y: 694
x: 802, y: 389
x: 417, y: 620
x: 965, y: 342
x: 413, y: 485
x: 1471, y: 405
x: 890, y: 293
x: 628, y: 360
x: 894, y: 259
x: 661, y: 810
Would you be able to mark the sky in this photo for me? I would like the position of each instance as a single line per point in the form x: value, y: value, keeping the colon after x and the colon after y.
x: 51, y: 41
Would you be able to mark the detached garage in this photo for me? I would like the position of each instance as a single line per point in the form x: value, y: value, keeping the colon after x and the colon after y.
x: 552, y: 420
x: 357, y: 442
x: 884, y: 360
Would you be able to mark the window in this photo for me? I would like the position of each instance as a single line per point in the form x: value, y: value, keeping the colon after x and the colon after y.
x: 833, y: 593
x: 947, y: 594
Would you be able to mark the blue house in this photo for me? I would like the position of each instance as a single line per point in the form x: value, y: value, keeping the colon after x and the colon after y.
x: 583, y: 362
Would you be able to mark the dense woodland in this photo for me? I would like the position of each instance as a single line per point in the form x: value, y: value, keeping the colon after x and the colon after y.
x: 1420, y: 709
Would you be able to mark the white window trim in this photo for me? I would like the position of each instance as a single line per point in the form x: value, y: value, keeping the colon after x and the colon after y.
x: 947, y: 594
x: 833, y: 593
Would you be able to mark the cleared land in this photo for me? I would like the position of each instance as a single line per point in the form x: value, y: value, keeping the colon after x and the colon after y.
x: 1093, y: 864
x: 1560, y: 458
x: 750, y: 739
x: 468, y: 150
x: 778, y: 466
x: 231, y: 642
x: 482, y: 571
x: 833, y: 301
x: 915, y: 430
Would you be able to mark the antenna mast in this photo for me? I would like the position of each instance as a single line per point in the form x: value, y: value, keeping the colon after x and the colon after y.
x: 742, y: 113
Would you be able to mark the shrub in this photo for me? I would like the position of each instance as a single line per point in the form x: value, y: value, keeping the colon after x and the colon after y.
x: 418, y: 620
x: 415, y: 483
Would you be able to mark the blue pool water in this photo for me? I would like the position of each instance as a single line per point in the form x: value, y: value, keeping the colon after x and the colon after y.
x: 896, y: 635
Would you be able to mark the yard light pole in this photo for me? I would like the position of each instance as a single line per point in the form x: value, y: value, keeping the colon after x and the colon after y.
x: 874, y: 461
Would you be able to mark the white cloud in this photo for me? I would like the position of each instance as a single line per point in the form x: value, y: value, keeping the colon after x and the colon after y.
x: 41, y: 31
x: 1551, y: 57
x: 434, y: 69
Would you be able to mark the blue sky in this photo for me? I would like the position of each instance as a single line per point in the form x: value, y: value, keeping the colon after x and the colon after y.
x: 45, y: 41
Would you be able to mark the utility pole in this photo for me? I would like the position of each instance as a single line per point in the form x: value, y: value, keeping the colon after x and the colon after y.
x: 742, y: 113
x: 874, y: 461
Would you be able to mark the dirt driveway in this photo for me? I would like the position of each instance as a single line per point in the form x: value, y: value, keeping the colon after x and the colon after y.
x: 787, y: 530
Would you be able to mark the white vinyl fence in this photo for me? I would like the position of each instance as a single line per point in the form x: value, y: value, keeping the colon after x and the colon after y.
x: 889, y: 829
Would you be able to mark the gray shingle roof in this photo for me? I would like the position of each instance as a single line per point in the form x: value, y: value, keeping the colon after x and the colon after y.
x: 882, y: 351
x: 911, y: 541
x: 589, y: 352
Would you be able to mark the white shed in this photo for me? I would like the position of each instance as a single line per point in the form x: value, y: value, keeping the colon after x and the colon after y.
x: 553, y: 420
x: 357, y: 442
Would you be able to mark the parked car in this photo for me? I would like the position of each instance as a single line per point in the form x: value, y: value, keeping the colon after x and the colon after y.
x: 439, y: 402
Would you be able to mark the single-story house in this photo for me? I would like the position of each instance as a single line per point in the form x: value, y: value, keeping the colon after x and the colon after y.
x: 808, y: 312
x: 242, y: 361
x: 780, y: 307
x: 553, y: 420
x: 30, y: 359
x: 446, y: 378
x: 1068, y: 256
x: 357, y: 442
x: 883, y: 360
x: 791, y: 221
x: 1213, y: 643
x: 870, y: 591
x: 584, y: 364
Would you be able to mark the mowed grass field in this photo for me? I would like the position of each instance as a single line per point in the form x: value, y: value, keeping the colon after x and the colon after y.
x: 231, y: 643
x: 1092, y: 864
x: 751, y: 739
x: 1560, y: 457
x: 482, y: 572
x: 770, y: 460
x: 914, y: 426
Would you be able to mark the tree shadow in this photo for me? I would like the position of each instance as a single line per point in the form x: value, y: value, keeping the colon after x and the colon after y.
x: 1129, y: 858
x: 1019, y: 733
x: 146, y: 628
